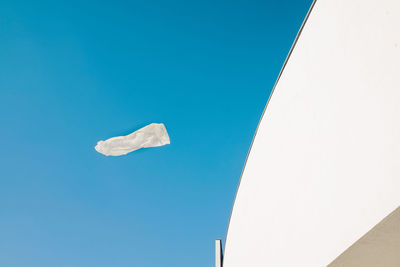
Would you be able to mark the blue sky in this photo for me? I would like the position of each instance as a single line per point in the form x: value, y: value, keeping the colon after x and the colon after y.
x: 75, y: 72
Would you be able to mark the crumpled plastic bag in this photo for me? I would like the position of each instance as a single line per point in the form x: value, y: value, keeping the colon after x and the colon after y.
x: 151, y: 135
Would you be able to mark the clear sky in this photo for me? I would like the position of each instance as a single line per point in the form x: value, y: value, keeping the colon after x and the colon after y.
x: 75, y: 72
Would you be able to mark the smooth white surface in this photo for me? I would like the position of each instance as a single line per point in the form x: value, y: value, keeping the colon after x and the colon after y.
x: 324, y: 167
x: 218, y: 253
x: 151, y: 135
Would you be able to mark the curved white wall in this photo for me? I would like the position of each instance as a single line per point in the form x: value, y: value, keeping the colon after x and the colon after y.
x: 324, y: 167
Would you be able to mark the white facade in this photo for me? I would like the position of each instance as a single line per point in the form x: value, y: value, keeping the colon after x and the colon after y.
x: 324, y: 166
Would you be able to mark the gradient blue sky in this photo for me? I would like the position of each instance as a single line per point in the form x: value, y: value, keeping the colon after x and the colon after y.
x: 74, y: 72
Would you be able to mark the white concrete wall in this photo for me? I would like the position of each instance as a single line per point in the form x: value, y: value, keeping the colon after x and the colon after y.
x: 324, y: 167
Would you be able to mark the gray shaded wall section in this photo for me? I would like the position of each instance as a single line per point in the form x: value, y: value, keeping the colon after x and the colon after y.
x: 380, y: 247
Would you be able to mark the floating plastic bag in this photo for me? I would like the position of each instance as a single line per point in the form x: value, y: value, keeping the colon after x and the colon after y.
x: 151, y: 135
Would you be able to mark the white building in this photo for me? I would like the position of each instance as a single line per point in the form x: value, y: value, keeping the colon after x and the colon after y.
x: 324, y: 165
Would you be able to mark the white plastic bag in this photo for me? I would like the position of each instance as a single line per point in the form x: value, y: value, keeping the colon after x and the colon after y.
x: 151, y: 135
